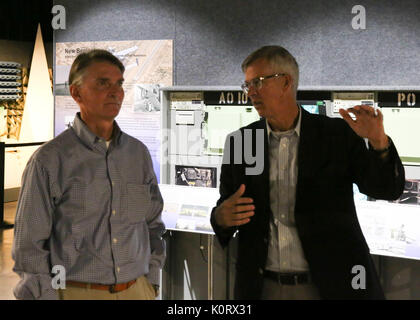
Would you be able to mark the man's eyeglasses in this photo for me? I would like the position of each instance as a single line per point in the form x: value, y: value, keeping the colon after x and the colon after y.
x: 258, y: 82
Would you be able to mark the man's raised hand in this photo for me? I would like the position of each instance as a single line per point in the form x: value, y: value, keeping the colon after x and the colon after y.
x: 367, y: 124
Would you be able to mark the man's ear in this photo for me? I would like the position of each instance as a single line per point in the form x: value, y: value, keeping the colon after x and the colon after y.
x: 75, y: 93
x: 288, y: 81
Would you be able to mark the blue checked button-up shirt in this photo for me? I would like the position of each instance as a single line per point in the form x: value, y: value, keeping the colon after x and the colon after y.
x: 94, y: 210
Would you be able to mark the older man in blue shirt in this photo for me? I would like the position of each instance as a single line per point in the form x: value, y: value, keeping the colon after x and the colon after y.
x: 90, y: 201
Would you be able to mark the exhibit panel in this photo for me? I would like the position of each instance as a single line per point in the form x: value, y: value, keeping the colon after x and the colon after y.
x: 401, y: 119
x: 188, y: 209
x: 197, y: 121
x: 390, y: 229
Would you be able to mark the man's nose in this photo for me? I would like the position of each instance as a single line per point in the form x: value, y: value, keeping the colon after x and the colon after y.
x: 116, y: 90
x: 252, y: 91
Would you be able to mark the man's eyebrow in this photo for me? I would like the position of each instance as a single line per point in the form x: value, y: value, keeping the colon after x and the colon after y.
x: 107, y: 79
x: 102, y: 79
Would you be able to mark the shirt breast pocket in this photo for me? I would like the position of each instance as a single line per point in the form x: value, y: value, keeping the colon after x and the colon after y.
x: 138, y: 202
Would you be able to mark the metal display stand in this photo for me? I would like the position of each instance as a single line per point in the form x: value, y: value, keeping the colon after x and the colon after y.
x: 210, y: 247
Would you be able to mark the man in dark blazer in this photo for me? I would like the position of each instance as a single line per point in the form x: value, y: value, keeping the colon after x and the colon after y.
x: 298, y: 233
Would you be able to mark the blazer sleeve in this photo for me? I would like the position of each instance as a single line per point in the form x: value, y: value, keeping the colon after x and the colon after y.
x: 226, y: 189
x: 380, y: 178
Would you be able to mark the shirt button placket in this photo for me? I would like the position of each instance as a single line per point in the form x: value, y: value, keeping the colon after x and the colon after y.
x: 114, y: 205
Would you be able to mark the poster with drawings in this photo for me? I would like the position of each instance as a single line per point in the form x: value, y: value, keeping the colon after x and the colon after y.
x: 146, y: 98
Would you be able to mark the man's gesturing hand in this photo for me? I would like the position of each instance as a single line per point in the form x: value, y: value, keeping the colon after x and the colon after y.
x: 367, y: 124
x: 235, y: 211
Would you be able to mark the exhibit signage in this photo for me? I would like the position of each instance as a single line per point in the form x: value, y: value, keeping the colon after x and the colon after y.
x: 188, y: 208
x: 390, y: 229
x: 400, y: 99
x: 223, y: 98
x: 401, y: 114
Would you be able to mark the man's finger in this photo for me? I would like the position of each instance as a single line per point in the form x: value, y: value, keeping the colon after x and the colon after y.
x: 240, y: 222
x: 379, y: 114
x: 244, y: 215
x: 354, y: 109
x: 239, y: 209
x: 238, y: 193
x: 371, y: 111
x: 357, y: 110
x: 346, y: 117
x: 244, y: 201
x: 367, y: 108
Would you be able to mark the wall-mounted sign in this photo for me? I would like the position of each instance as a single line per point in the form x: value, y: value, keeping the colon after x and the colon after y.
x: 226, y: 98
x: 401, y: 99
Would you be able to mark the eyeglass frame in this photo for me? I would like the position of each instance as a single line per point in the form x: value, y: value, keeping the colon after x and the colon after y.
x: 258, y: 82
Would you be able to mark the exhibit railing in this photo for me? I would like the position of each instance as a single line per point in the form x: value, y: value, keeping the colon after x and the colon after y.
x: 3, y: 146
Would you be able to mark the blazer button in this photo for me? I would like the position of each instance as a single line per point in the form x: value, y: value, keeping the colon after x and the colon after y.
x: 265, y: 240
x: 261, y: 271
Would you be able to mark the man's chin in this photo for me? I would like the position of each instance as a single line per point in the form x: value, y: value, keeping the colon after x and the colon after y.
x: 114, y: 114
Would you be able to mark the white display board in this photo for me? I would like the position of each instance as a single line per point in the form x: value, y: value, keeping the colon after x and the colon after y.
x: 400, y: 124
x: 15, y: 161
x: 390, y: 229
x: 188, y: 208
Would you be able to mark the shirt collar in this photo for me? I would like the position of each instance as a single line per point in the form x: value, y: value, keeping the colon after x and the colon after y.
x: 87, y: 136
x: 296, y: 129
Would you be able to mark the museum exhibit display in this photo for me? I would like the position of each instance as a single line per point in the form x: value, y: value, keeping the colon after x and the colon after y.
x: 183, y: 97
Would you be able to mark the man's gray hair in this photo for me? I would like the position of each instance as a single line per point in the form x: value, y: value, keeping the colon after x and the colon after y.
x: 279, y: 58
x: 85, y: 59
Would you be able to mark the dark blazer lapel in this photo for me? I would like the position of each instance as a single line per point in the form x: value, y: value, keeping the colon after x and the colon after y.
x: 309, y: 154
x: 261, y: 181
